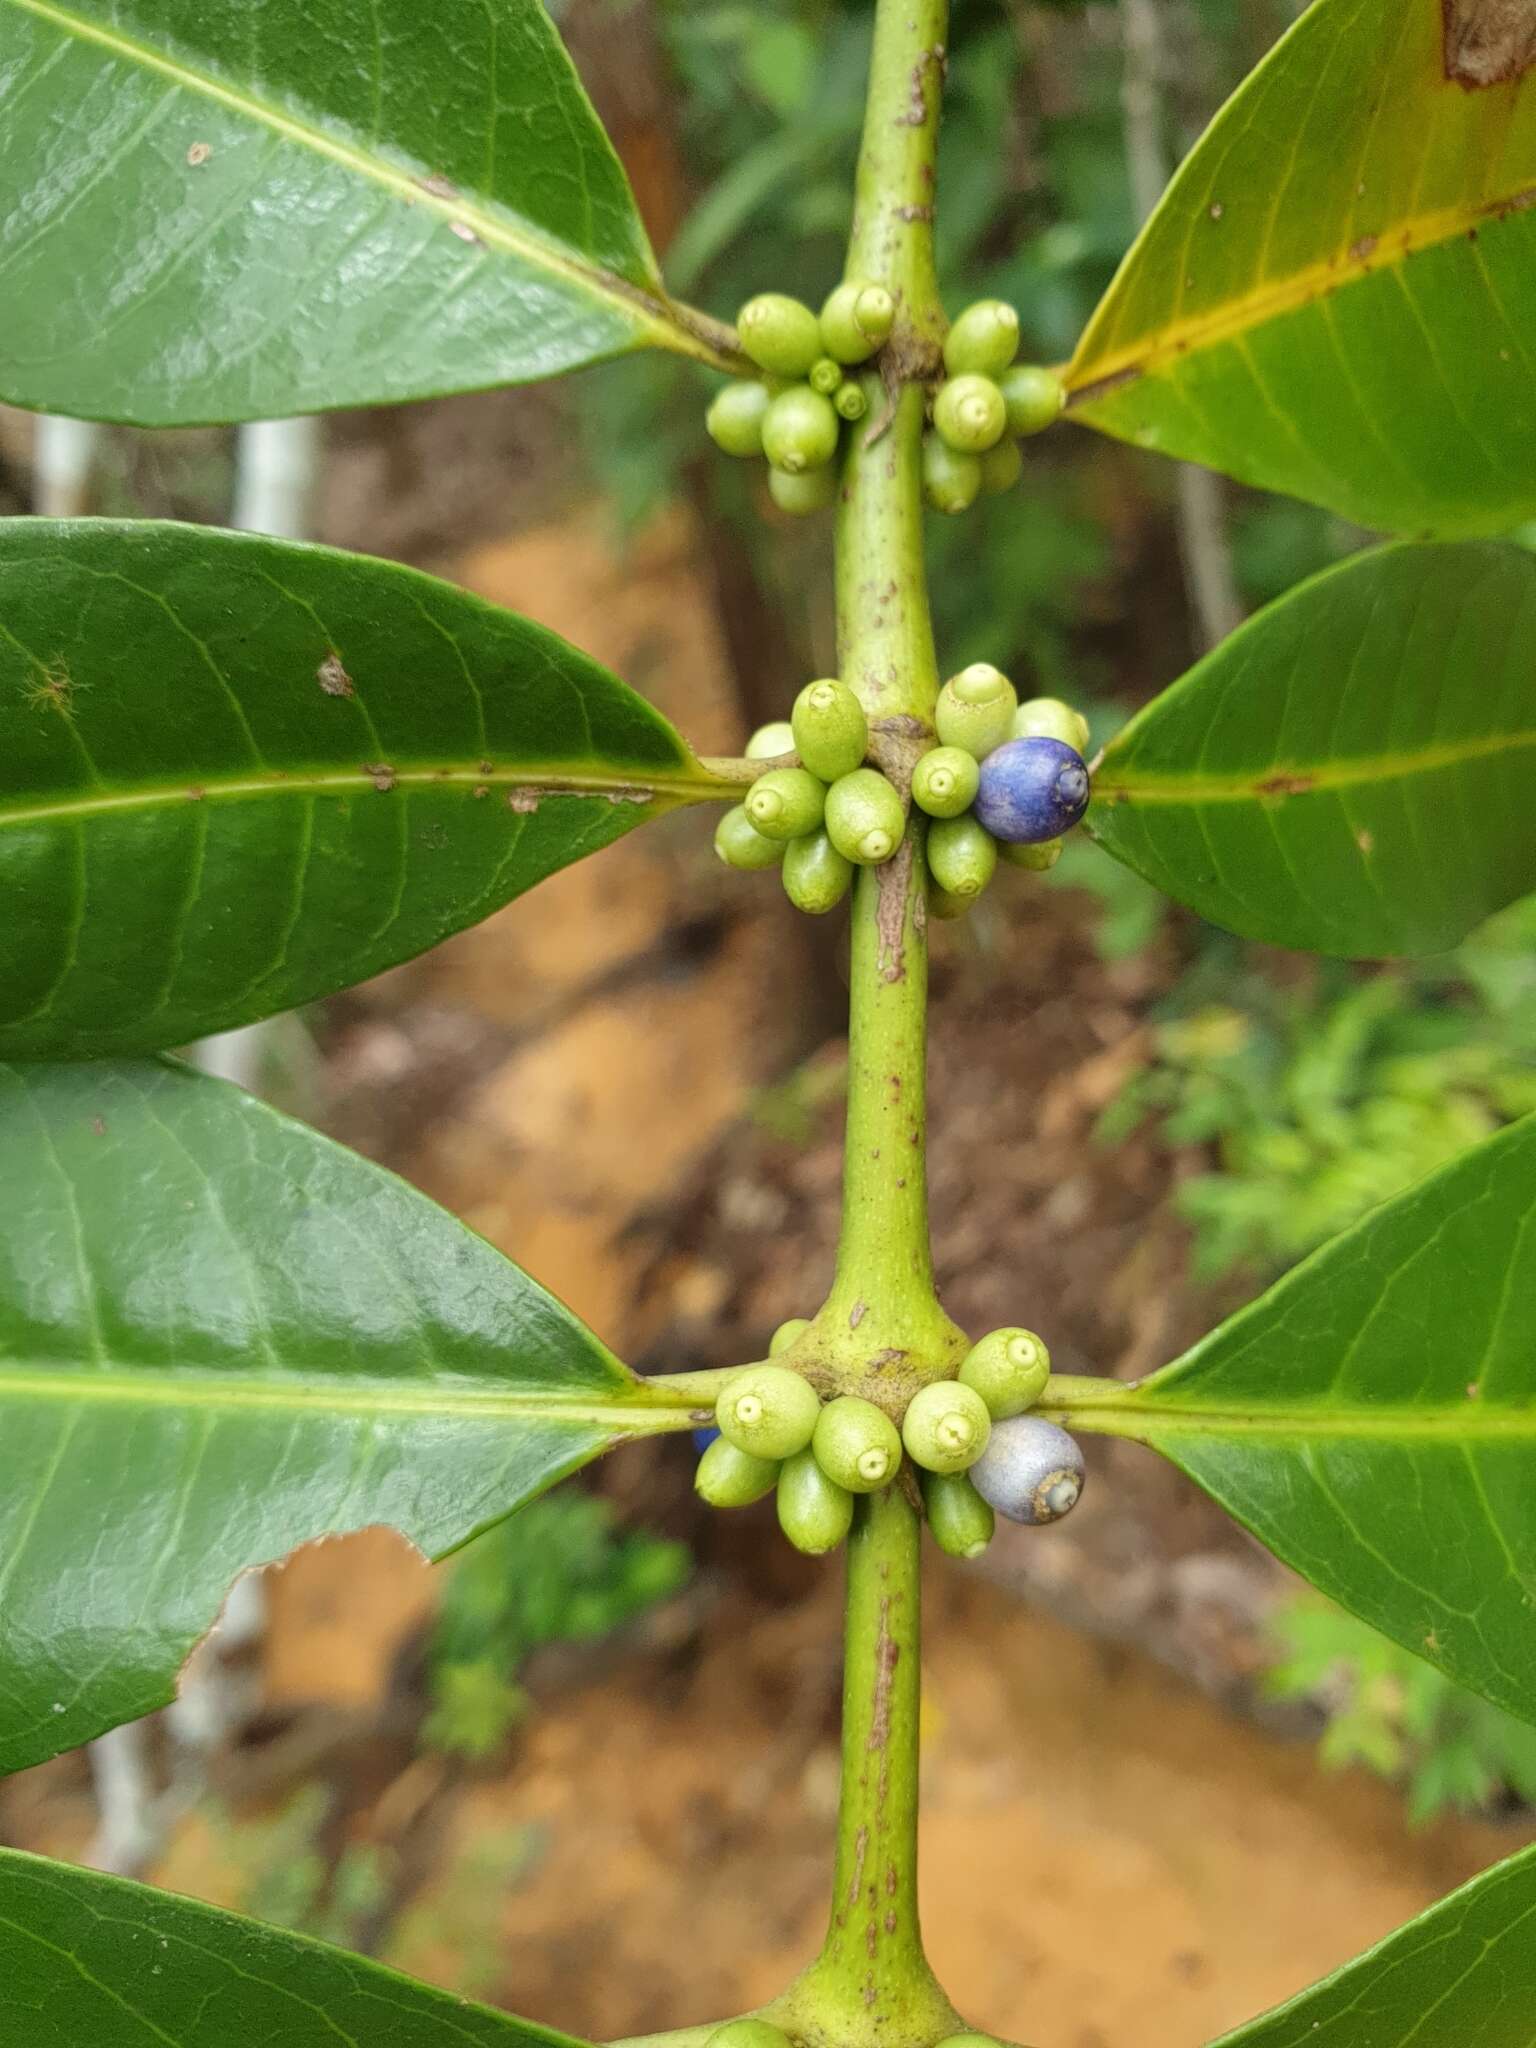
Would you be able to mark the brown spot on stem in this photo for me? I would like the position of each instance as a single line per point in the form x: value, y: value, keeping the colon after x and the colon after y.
x: 857, y: 1314
x: 860, y: 1849
x: 1488, y: 42
x: 887, y: 1657
x: 382, y: 775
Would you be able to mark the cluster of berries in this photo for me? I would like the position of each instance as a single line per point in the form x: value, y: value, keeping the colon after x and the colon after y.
x: 978, y: 1451
x: 1006, y: 779
x: 821, y: 818
x: 984, y: 407
x: 795, y: 412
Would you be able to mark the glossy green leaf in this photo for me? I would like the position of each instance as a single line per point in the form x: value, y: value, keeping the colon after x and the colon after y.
x: 1337, y: 296
x: 1372, y: 1418
x: 232, y: 209
x: 1463, y: 1975
x: 222, y: 1336
x: 88, y: 1961
x: 1352, y: 771
x: 237, y: 774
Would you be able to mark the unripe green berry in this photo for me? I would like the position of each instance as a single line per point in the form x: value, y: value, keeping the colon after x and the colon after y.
x: 946, y: 1427
x: 985, y: 339
x: 830, y: 728
x: 731, y: 1478
x: 1001, y: 468
x: 786, y: 803
x: 856, y: 1444
x: 856, y: 319
x: 962, y: 855
x: 769, y: 741
x: 779, y: 334
x: 753, y: 2034
x: 976, y: 709
x: 740, y: 845
x: 813, y: 490
x: 944, y: 782
x: 850, y: 402
x: 942, y: 905
x: 816, y: 876
x: 787, y: 1335
x: 1034, y: 398
x: 961, y: 1522
x: 825, y: 376
x: 800, y: 430
x: 1049, y: 719
x: 735, y: 417
x: 970, y: 414
x: 865, y: 817
x: 1009, y: 1369
x: 769, y: 1411
x: 815, y: 1513
x: 1037, y: 857
x: 951, y: 481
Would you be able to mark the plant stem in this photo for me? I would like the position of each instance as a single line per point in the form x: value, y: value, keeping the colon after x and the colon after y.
x: 882, y: 1323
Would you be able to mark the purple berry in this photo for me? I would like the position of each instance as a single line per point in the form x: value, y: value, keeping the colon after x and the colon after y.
x: 1031, y: 790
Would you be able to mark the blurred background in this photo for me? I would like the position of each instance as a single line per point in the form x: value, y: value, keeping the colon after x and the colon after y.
x: 588, y: 1768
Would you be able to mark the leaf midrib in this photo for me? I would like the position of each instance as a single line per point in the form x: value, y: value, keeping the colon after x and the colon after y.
x: 1090, y: 376
x: 1270, y: 783
x: 499, y: 230
x: 123, y: 1384
x: 1477, y: 1421
x: 678, y: 786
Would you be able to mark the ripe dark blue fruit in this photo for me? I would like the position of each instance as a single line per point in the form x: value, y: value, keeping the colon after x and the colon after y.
x: 1031, y: 789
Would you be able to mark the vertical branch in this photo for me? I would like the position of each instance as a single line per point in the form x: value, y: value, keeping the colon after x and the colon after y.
x: 64, y: 458
x: 275, y: 474
x: 1200, y: 517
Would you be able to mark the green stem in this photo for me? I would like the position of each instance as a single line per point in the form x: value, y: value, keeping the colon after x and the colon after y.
x: 882, y: 1323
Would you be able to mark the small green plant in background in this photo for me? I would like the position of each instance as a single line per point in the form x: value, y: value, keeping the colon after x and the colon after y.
x: 560, y: 1573
x: 1398, y: 1716
x: 1323, y: 1099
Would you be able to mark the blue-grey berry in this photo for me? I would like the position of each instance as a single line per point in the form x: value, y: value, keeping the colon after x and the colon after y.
x: 1031, y: 789
x: 1030, y: 1471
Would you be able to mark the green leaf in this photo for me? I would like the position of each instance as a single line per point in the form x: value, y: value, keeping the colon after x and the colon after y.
x: 88, y: 1961
x: 222, y: 1336
x: 1351, y: 772
x: 235, y: 209
x: 1372, y: 1418
x: 1337, y: 295
x: 237, y: 774
x: 1463, y: 1975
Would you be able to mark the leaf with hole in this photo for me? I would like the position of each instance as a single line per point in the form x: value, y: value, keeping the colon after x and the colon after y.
x: 88, y: 1961
x: 1463, y: 1973
x: 1372, y: 1418
x: 1337, y: 295
x: 1351, y: 772
x: 238, y: 774
x: 222, y: 1336
x: 236, y: 209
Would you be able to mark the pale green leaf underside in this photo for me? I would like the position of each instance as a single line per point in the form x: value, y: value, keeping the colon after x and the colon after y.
x: 1372, y: 1418
x: 221, y: 1336
x: 88, y: 1961
x: 1337, y: 296
x: 236, y: 209
x: 238, y: 774
x: 1462, y: 1975
x: 1352, y: 772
